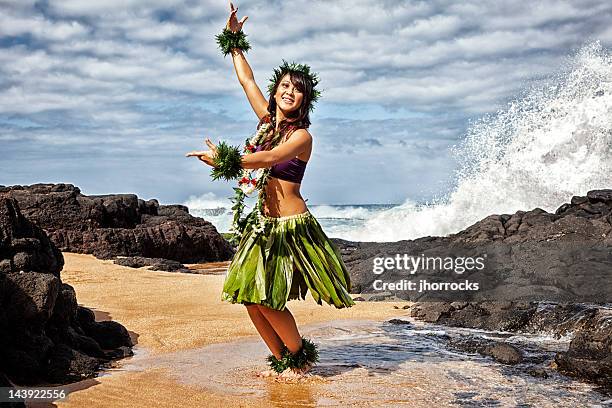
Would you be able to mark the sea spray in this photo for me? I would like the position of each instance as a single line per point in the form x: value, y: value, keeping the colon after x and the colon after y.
x: 212, y: 208
x: 550, y: 144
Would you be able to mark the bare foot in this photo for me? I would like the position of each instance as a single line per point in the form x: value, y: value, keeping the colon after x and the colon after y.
x: 267, y: 373
x: 304, y: 370
x: 295, y: 374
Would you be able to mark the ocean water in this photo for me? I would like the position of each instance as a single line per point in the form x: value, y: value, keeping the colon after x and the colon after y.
x: 373, y: 364
x: 336, y: 220
x: 548, y: 144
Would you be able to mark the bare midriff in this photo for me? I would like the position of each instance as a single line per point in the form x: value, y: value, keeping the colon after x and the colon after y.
x: 283, y: 198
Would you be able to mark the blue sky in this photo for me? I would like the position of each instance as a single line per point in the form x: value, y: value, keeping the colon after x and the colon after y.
x: 110, y: 95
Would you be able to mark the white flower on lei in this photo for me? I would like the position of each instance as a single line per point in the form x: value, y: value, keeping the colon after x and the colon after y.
x: 259, y: 134
x: 247, y: 188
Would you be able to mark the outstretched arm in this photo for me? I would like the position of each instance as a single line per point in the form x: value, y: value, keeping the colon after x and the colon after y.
x: 243, y: 69
x: 299, y: 142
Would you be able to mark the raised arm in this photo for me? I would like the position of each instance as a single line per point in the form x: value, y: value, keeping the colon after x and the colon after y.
x: 245, y: 76
x: 243, y: 69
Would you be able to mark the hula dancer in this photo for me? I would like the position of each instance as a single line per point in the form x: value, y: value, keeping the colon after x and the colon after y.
x: 282, y: 251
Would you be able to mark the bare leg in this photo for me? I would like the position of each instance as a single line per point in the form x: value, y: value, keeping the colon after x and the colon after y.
x: 267, y: 333
x: 284, y: 325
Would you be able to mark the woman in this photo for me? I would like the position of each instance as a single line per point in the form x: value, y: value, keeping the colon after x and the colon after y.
x: 285, y: 253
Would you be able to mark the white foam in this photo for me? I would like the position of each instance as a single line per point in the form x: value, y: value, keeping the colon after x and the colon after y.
x: 212, y: 208
x: 342, y: 211
x: 206, y: 201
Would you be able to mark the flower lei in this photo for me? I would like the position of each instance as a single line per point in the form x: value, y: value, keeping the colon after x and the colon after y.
x: 248, y: 183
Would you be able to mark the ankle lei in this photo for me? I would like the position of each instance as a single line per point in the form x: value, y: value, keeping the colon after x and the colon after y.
x: 308, y: 354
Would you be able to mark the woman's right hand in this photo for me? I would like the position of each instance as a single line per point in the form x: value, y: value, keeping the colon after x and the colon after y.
x: 232, y: 22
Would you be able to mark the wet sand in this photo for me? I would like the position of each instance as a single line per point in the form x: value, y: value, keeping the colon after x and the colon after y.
x: 367, y: 363
x: 169, y: 313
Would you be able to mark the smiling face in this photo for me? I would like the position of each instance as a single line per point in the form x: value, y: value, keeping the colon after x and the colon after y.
x: 288, y: 98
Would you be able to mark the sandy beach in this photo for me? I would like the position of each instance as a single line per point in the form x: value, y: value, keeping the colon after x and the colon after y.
x: 168, y: 313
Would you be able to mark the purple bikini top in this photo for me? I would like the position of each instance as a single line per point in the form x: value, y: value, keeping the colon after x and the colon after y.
x: 291, y: 170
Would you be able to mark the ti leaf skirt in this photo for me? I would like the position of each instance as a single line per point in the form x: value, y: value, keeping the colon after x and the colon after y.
x: 291, y: 256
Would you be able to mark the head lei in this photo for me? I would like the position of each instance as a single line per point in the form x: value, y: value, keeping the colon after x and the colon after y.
x: 287, y: 68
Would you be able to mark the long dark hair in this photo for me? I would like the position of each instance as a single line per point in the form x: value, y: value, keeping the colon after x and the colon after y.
x: 299, y: 118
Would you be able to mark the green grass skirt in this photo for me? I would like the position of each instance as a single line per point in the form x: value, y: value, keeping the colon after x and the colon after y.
x: 292, y: 255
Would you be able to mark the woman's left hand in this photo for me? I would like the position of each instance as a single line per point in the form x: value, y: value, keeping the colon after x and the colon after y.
x: 207, y: 156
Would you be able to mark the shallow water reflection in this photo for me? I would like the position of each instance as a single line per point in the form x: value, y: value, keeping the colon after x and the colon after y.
x: 367, y: 363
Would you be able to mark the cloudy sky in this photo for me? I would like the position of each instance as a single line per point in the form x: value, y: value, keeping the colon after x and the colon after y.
x: 109, y: 95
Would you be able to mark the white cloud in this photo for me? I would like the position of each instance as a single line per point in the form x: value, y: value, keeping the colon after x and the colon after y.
x: 40, y: 27
x: 158, y: 32
x: 108, y: 7
x: 149, y: 71
x: 432, y: 28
